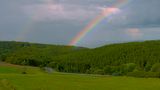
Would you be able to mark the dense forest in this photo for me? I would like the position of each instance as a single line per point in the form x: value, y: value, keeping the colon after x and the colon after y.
x: 139, y: 59
x: 32, y: 53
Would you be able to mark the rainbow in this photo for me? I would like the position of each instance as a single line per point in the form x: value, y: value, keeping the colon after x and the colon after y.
x: 25, y: 31
x: 106, y: 12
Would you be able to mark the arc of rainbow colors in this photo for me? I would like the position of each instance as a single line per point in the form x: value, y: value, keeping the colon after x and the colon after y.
x: 104, y: 14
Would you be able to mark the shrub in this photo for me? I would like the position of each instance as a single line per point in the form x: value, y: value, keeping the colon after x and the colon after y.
x: 99, y: 71
x: 52, y: 65
x: 116, y: 74
x: 107, y: 70
x: 129, y: 67
x: 156, y: 67
x: 148, y: 67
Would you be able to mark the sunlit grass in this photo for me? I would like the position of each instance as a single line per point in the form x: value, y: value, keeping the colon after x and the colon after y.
x: 36, y: 79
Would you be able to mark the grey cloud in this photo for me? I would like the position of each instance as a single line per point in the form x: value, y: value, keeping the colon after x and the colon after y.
x: 141, y: 14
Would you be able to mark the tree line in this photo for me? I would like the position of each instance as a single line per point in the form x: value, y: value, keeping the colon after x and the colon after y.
x: 139, y: 59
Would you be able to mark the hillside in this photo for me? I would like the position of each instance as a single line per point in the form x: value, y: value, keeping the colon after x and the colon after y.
x: 115, y: 59
x: 32, y: 53
x: 134, y: 58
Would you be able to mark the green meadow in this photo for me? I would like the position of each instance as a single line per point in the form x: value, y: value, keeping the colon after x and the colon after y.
x: 11, y: 78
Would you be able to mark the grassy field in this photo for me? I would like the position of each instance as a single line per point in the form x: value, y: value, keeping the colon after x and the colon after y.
x: 11, y: 78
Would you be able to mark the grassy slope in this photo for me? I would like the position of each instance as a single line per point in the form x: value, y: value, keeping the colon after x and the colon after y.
x: 12, y: 78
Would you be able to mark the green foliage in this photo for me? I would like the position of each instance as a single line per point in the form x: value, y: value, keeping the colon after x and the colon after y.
x: 148, y: 67
x: 99, y: 71
x: 115, y: 59
x: 156, y: 67
x: 32, y: 54
x: 129, y: 67
x: 108, y: 70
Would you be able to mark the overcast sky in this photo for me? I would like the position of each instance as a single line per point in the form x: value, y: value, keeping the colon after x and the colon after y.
x: 59, y: 21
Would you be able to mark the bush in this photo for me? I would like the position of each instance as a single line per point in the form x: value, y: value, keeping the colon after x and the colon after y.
x: 107, y: 70
x: 148, y: 67
x: 129, y: 67
x: 52, y: 65
x: 156, y: 67
x: 99, y: 71
x: 116, y: 74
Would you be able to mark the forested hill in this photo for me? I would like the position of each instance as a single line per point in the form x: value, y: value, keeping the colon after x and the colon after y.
x: 34, y: 54
x: 134, y: 58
